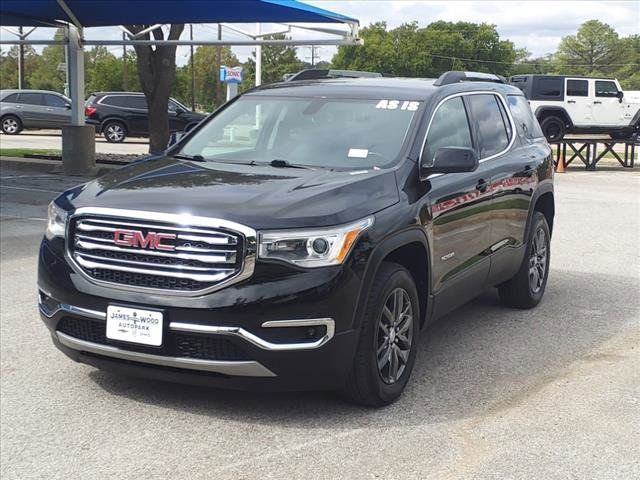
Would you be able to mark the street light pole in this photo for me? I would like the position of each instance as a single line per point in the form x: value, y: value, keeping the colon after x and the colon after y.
x: 20, y: 61
x: 193, y: 72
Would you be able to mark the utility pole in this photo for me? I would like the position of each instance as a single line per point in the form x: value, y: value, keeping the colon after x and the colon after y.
x: 218, y: 64
x: 20, y: 61
x: 125, y: 74
x: 313, y: 56
x: 193, y: 72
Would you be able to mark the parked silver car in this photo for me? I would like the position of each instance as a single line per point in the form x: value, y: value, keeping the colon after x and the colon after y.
x: 32, y: 109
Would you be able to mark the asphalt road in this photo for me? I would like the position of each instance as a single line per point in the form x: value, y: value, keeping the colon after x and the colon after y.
x: 51, y: 139
x: 543, y: 394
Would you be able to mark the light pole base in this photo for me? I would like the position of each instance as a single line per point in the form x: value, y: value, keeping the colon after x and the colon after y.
x: 79, y: 150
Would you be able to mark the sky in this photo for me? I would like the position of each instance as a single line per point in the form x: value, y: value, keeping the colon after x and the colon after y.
x: 536, y: 25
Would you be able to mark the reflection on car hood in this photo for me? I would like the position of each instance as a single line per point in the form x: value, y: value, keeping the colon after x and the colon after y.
x: 257, y: 196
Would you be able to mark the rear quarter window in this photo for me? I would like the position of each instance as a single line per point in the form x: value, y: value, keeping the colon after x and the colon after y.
x: 548, y: 88
x: 526, y: 123
x: 13, y: 98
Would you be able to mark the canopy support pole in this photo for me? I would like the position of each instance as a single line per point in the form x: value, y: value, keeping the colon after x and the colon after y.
x: 258, y: 57
x: 78, y: 139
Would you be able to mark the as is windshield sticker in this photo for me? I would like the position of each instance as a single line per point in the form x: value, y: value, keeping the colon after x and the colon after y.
x: 398, y: 104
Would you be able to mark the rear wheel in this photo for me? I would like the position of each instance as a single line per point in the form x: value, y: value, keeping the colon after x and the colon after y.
x: 526, y: 288
x: 553, y: 128
x: 11, y: 125
x: 388, y: 339
x: 114, y: 131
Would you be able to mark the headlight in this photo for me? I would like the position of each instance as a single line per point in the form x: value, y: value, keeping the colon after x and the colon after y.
x: 56, y: 222
x: 312, y: 248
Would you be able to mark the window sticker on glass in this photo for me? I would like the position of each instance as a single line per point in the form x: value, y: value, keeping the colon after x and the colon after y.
x: 398, y: 104
x: 358, y: 153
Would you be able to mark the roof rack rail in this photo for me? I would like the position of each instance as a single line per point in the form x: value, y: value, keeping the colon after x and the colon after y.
x: 319, y: 73
x: 456, y: 76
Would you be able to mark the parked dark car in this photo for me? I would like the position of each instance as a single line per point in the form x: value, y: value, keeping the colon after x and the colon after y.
x: 33, y: 109
x: 304, y: 236
x: 118, y: 115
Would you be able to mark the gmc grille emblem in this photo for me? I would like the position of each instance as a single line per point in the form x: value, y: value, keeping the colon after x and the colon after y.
x: 137, y: 239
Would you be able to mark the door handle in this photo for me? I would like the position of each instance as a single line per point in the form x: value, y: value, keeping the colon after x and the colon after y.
x: 482, y: 185
x: 571, y: 101
x: 597, y: 101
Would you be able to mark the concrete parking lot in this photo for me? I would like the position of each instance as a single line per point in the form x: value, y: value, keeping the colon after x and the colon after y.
x: 548, y: 393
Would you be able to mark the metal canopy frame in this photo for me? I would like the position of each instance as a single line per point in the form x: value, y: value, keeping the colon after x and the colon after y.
x: 75, y: 43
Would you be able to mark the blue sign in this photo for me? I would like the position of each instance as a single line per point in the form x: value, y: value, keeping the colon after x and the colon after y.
x: 231, y: 74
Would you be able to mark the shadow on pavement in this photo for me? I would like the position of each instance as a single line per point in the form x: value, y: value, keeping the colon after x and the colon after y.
x: 478, y: 360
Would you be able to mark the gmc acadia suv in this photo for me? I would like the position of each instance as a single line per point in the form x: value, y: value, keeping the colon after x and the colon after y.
x: 304, y: 235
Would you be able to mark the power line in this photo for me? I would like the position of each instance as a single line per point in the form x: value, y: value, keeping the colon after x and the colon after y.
x: 535, y: 62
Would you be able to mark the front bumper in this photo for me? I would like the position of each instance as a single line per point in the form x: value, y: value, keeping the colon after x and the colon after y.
x: 264, y: 329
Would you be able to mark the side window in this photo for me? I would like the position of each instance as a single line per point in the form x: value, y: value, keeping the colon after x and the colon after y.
x: 526, y: 124
x: 548, y: 87
x: 577, y: 88
x: 606, y: 89
x: 449, y: 128
x: 136, y: 101
x: 13, y: 98
x: 487, y: 121
x: 54, y: 101
x: 31, y: 98
x: 114, y: 100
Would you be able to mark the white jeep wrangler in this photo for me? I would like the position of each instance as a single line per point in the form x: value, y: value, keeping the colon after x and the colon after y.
x: 564, y: 104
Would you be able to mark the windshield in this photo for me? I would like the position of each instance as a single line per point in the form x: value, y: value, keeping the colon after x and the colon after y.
x: 314, y: 132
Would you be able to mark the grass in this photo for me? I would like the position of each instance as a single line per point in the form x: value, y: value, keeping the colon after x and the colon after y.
x: 21, y: 152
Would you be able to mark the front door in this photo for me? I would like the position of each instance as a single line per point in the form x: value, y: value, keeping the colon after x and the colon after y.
x: 56, y: 110
x: 607, y: 108
x: 578, y: 101
x: 460, y: 205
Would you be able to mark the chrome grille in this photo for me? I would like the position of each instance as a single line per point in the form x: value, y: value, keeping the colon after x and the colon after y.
x: 147, y: 254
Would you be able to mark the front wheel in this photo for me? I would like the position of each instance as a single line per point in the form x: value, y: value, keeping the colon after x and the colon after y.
x: 526, y: 288
x: 388, y: 339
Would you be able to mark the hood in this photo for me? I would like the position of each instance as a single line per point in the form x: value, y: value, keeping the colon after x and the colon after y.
x: 262, y: 197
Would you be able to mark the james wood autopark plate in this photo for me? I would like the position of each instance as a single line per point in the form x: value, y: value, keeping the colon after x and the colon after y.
x: 134, y: 325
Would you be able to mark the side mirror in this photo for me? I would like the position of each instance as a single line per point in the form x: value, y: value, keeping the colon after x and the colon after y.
x: 67, y: 106
x: 174, y: 138
x: 451, y: 160
x: 620, y: 95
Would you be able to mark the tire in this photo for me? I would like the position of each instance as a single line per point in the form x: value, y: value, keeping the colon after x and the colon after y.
x: 367, y: 383
x: 526, y: 288
x: 553, y: 128
x: 114, y: 131
x: 11, y: 125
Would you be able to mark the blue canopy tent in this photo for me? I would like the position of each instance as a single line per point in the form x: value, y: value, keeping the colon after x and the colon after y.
x: 80, y: 14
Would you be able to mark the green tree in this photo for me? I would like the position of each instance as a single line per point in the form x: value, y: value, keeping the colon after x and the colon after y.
x: 9, y: 66
x: 103, y: 70
x: 50, y: 73
x: 277, y: 60
x: 427, y: 52
x: 593, y: 50
x: 208, y: 92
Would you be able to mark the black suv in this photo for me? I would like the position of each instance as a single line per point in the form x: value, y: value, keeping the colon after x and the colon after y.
x: 304, y: 235
x: 120, y: 114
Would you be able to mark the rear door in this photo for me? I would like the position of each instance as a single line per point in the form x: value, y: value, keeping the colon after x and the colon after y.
x: 56, y: 110
x: 460, y: 205
x: 137, y: 114
x: 516, y: 174
x: 607, y: 108
x: 578, y: 101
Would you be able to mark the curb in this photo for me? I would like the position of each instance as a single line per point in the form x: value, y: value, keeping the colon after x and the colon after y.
x: 48, y: 166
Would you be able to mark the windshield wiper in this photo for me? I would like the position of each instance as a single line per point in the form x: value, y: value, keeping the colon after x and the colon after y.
x: 194, y: 158
x: 284, y: 164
